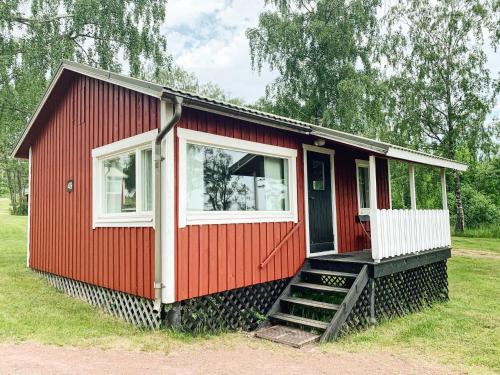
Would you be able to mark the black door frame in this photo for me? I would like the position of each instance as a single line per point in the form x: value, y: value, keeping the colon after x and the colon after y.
x: 331, y: 152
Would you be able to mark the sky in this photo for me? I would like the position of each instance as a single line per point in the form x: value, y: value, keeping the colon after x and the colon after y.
x: 207, y: 38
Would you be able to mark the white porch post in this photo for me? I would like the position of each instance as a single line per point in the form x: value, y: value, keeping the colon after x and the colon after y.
x: 444, y: 195
x: 373, y: 209
x: 413, y: 197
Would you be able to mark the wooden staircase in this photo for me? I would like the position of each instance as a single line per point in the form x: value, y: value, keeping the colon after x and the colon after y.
x: 316, y: 302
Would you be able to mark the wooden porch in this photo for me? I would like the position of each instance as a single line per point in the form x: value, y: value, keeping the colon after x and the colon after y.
x: 354, y: 261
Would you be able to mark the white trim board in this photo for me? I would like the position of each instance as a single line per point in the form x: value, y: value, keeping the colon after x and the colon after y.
x: 168, y: 208
x: 331, y: 152
x: 30, y: 183
x: 361, y: 163
x: 125, y: 144
x: 234, y: 217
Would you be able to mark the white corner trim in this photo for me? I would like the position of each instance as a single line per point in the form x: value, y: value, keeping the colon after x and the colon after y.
x: 234, y: 217
x: 331, y: 152
x: 389, y: 182
x: 29, y: 208
x: 125, y: 144
x: 168, y: 215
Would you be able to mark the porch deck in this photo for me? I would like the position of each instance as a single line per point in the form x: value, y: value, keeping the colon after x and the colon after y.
x: 357, y: 259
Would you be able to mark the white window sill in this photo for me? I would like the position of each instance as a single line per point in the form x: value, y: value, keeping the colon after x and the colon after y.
x: 228, y: 217
x: 364, y: 211
x: 125, y: 222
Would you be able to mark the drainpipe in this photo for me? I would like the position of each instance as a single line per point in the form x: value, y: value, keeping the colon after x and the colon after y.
x: 157, y: 209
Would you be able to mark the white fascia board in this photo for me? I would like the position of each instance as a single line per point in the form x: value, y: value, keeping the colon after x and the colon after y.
x: 417, y: 157
x: 348, y: 142
x: 134, y: 84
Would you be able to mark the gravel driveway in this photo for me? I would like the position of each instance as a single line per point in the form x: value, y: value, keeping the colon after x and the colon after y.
x: 241, y: 359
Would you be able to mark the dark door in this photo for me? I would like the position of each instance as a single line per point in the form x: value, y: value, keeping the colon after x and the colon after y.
x: 320, y: 202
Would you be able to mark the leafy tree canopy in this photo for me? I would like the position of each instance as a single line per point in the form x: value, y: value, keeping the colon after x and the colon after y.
x: 36, y: 35
x: 324, y: 52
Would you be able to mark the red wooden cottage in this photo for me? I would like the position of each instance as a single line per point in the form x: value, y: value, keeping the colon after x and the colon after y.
x: 156, y: 203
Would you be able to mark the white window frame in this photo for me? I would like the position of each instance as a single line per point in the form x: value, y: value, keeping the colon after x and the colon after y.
x: 361, y: 164
x: 186, y: 217
x: 140, y: 218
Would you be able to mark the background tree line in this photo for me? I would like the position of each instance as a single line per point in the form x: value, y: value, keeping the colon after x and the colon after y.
x: 412, y: 73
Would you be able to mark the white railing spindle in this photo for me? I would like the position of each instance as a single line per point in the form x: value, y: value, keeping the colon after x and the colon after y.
x: 400, y: 232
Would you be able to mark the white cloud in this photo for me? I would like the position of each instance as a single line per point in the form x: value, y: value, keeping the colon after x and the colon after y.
x: 208, y: 39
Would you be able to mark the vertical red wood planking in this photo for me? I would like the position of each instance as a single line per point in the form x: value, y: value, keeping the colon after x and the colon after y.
x: 208, y: 258
x: 87, y: 114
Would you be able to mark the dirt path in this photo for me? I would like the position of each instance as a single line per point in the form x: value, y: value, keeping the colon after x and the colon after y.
x: 476, y: 253
x: 33, y: 359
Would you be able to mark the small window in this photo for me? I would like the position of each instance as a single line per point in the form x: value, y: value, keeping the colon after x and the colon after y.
x: 318, y: 175
x: 223, y: 181
x: 123, y: 182
x: 363, y: 185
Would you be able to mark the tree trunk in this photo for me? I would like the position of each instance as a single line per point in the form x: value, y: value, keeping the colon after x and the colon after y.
x: 12, y: 190
x: 460, y: 224
x: 20, y: 188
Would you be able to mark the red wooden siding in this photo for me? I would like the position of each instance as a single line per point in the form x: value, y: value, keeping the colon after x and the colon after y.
x: 351, y: 236
x: 212, y: 258
x: 88, y: 114
x: 85, y: 114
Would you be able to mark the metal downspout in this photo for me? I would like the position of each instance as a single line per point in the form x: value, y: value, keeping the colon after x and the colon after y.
x: 158, y: 285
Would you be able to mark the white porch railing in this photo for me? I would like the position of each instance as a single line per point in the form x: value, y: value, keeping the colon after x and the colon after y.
x: 400, y: 232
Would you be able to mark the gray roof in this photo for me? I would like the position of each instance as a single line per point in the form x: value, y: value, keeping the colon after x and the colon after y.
x: 244, y: 113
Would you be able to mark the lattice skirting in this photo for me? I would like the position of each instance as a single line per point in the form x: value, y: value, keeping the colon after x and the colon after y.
x: 133, y: 309
x: 399, y: 294
x: 237, y: 309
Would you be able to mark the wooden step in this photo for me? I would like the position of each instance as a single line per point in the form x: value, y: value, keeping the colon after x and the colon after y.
x: 310, y: 303
x: 287, y: 335
x: 320, y: 288
x: 311, y: 323
x: 331, y: 273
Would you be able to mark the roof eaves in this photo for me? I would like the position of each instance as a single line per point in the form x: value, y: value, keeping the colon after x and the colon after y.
x: 243, y: 113
x: 138, y: 85
x: 423, y: 158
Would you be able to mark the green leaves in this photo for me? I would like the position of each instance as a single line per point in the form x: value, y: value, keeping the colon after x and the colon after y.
x: 36, y: 35
x: 323, y: 50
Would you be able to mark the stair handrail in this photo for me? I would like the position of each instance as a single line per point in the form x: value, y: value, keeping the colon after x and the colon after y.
x: 332, y: 332
x: 280, y: 244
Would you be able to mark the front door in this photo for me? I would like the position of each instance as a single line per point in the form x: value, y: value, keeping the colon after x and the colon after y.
x: 321, y: 236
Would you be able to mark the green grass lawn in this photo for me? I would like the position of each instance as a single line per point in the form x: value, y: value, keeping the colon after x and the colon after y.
x: 32, y: 310
x: 463, y: 333
x: 467, y: 243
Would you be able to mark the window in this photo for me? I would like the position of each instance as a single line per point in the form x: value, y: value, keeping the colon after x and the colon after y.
x: 123, y: 182
x: 318, y: 175
x: 223, y: 181
x: 363, y: 185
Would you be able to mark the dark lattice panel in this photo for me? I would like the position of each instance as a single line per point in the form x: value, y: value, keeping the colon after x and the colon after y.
x: 405, y: 292
x: 399, y: 294
x: 133, y: 309
x: 235, y: 309
x: 359, y: 318
x: 336, y: 281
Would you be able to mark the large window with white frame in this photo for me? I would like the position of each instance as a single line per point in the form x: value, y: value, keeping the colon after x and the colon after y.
x: 363, y: 186
x: 223, y: 180
x: 123, y: 182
